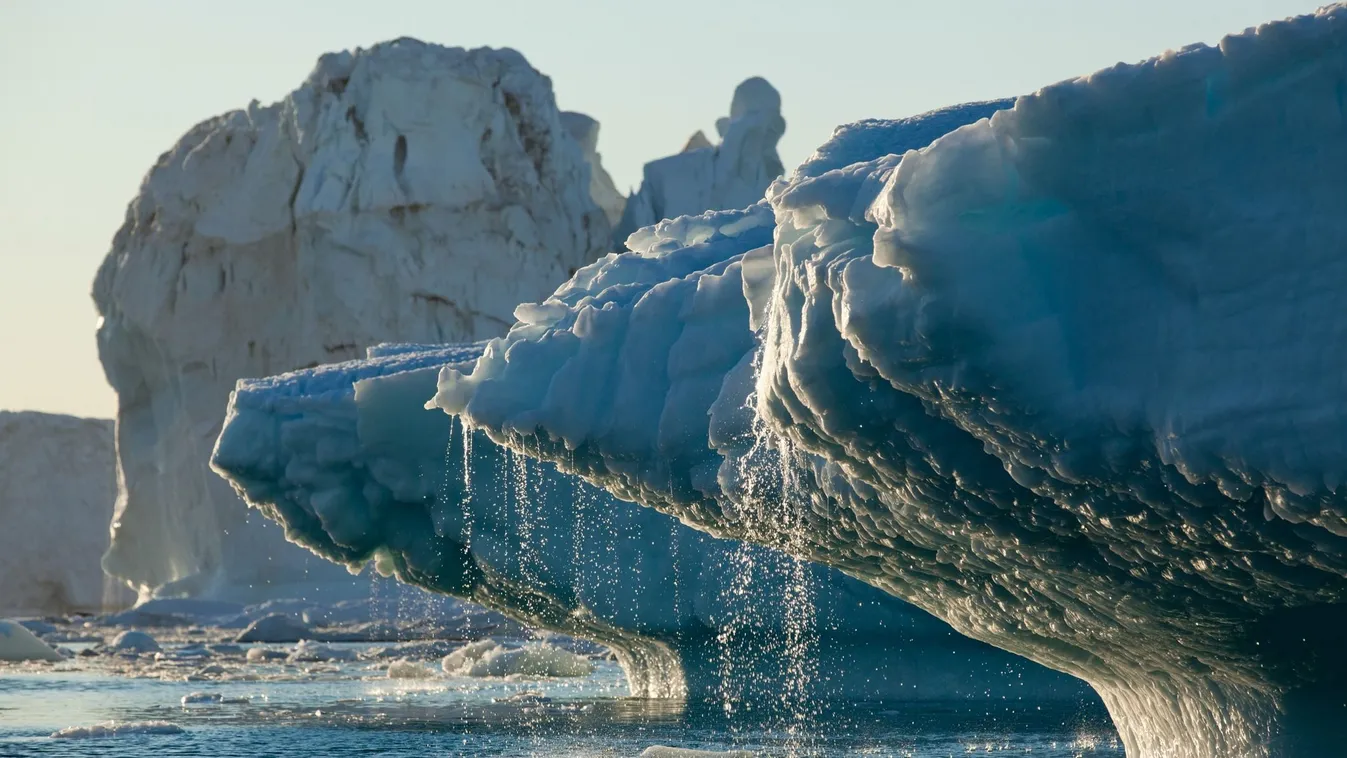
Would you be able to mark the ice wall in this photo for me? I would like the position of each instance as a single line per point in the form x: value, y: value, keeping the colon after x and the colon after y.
x: 1066, y: 378
x: 354, y: 466
x: 732, y: 174
x: 57, y: 487
x: 408, y: 191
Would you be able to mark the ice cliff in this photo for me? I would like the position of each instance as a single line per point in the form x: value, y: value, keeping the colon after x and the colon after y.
x: 57, y: 487
x: 704, y: 177
x: 1068, y: 378
x: 354, y: 466
x: 407, y: 191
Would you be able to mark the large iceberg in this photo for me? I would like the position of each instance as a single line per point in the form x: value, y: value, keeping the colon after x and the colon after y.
x: 705, y: 177
x: 57, y: 486
x: 1066, y: 377
x: 404, y: 192
x: 354, y: 466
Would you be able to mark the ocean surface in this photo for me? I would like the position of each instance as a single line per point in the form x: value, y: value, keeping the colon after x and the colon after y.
x: 352, y: 708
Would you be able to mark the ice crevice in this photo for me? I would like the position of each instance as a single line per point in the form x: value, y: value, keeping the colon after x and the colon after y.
x: 1067, y: 377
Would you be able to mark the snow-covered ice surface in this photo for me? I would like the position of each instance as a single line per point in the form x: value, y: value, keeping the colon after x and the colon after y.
x: 405, y: 192
x: 706, y: 177
x: 357, y: 469
x: 1068, y: 378
x: 57, y: 487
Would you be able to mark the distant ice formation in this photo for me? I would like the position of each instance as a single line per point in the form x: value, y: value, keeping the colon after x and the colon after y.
x: 19, y: 644
x: 350, y: 461
x: 704, y: 177
x: 408, y: 191
x: 57, y: 487
x: 1069, y: 378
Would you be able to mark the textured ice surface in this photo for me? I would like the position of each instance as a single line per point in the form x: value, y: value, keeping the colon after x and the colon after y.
x: 1069, y: 378
x: 408, y: 191
x: 350, y: 461
x: 731, y: 174
x: 57, y: 486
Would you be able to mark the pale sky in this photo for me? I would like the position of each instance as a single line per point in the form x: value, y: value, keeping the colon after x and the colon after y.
x: 93, y: 91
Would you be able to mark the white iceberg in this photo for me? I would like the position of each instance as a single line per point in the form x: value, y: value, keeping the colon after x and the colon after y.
x: 408, y: 191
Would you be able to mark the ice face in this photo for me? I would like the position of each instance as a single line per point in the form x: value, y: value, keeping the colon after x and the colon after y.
x: 406, y: 192
x: 351, y: 463
x: 1067, y: 378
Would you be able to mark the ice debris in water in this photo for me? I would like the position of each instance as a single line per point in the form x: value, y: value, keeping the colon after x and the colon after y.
x: 488, y: 658
x: 409, y: 670
x: 133, y: 641
x: 19, y: 644
x: 662, y: 751
x: 117, y: 729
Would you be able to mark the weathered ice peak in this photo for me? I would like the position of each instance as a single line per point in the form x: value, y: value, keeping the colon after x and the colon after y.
x: 703, y: 177
x: 57, y: 485
x: 408, y: 191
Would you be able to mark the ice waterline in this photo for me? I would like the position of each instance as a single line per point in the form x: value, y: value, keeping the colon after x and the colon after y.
x: 1068, y: 378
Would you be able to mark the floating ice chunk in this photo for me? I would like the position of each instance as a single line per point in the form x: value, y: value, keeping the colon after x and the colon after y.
x: 133, y: 641
x: 308, y: 651
x: 262, y: 655
x: 488, y: 658
x: 117, y: 729
x: 409, y: 670
x: 278, y: 627
x: 19, y: 644
x: 661, y: 751
x: 527, y: 697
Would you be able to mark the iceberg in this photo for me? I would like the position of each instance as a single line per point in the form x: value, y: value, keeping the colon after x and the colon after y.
x: 347, y: 458
x: 705, y: 177
x: 403, y: 192
x: 1065, y: 377
x: 57, y: 488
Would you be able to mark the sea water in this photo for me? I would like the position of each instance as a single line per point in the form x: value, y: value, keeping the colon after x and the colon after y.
x: 353, y: 708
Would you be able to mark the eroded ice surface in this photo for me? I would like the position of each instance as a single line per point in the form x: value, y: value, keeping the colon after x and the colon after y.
x: 1069, y: 378
x: 350, y: 461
